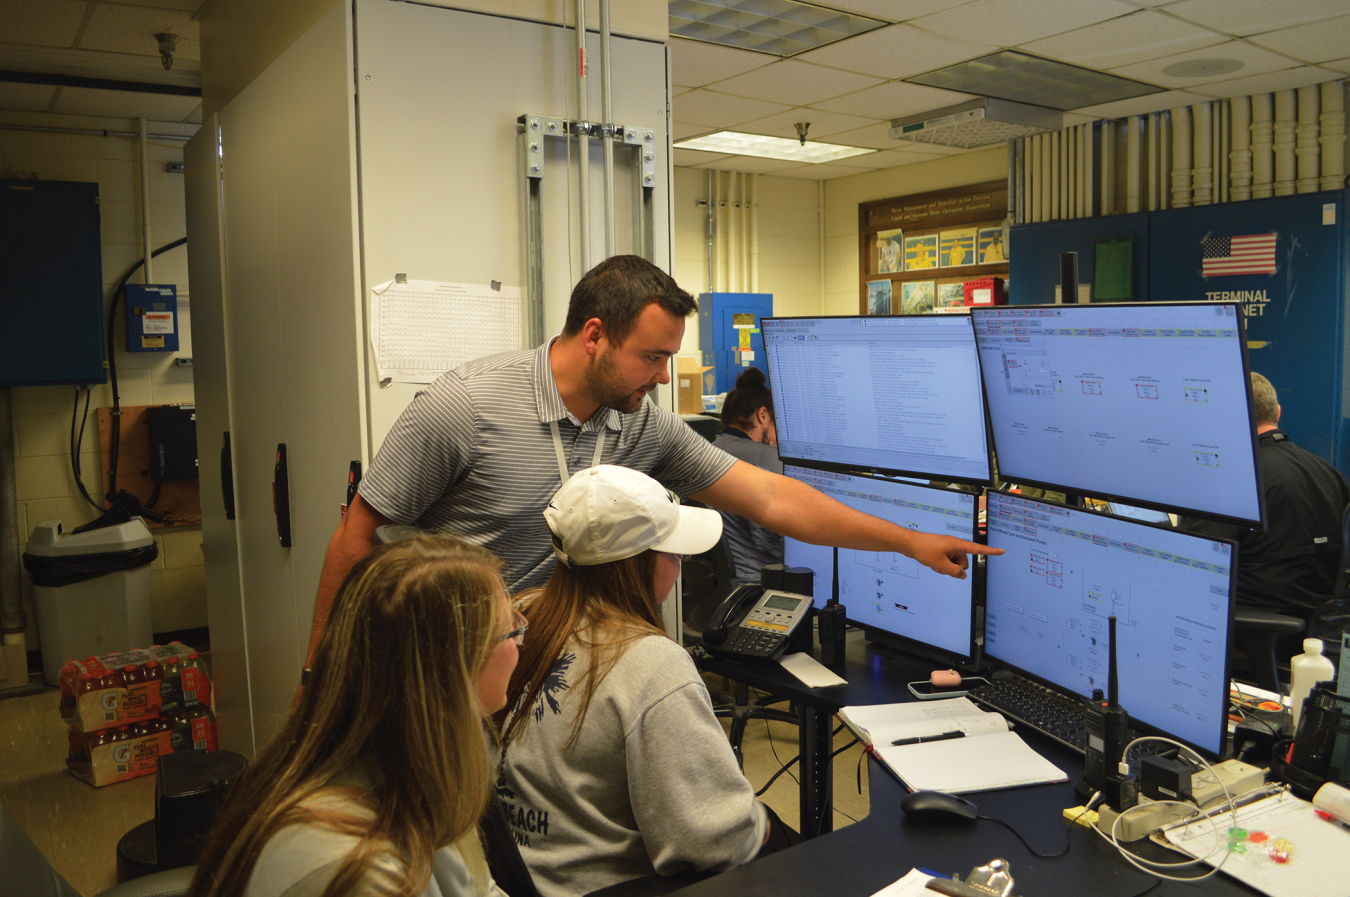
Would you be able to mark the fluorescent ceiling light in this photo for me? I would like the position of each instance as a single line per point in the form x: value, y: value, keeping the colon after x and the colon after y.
x: 780, y: 27
x: 738, y: 144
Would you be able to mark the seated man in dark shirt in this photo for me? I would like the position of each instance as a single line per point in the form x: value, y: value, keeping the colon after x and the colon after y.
x: 1291, y: 567
x: 749, y: 432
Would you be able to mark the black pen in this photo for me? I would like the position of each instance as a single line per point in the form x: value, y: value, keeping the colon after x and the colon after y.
x: 924, y: 738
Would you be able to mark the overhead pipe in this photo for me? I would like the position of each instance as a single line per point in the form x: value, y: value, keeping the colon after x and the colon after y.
x: 1333, y: 135
x: 1133, y: 151
x: 145, y: 203
x: 1286, y: 121
x: 1181, y: 158
x: 1202, y: 174
x: 1308, y: 149
x: 583, y: 142
x: 1263, y: 137
x: 1240, y: 156
x: 607, y: 132
x: 92, y: 132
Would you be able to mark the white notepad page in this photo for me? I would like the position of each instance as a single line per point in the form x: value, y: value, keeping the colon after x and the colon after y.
x: 979, y: 763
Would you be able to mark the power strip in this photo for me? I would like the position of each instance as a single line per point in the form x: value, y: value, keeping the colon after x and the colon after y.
x: 1146, y: 816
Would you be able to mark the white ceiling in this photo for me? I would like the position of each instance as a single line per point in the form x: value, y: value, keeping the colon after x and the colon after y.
x: 1279, y: 43
x: 848, y: 91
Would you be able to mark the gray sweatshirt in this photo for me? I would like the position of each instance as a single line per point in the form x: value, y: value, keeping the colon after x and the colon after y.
x: 649, y: 785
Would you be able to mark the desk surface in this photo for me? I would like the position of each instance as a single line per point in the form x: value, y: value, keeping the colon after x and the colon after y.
x: 859, y: 860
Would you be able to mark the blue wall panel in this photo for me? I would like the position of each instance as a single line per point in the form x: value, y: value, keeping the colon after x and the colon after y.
x: 1033, y: 266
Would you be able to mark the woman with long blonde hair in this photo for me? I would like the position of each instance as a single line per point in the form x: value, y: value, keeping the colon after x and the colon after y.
x: 378, y: 780
x: 613, y: 766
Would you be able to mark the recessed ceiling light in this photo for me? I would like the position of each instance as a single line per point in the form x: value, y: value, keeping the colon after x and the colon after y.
x: 738, y: 144
x: 780, y: 27
x: 1023, y: 78
x: 1202, y: 68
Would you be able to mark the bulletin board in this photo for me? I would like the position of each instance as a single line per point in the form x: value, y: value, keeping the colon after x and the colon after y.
x: 179, y: 501
x: 917, y: 251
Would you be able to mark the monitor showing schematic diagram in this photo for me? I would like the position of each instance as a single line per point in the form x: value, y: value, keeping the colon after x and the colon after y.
x: 889, y: 593
x: 1065, y: 571
x: 897, y: 395
x: 1147, y: 403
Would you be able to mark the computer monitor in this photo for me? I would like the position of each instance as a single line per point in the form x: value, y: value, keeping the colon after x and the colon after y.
x: 879, y: 393
x: 1147, y: 403
x: 895, y: 599
x: 1065, y: 571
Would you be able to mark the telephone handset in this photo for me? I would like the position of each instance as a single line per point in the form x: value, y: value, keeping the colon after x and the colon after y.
x: 755, y: 622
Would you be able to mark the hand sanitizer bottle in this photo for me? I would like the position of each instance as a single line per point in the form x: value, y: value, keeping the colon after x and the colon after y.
x: 1305, y: 671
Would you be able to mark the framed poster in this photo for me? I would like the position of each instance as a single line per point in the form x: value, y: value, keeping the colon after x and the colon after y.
x: 890, y: 251
x: 958, y: 248
x: 989, y: 246
x: 878, y: 297
x: 1113, y: 269
x: 950, y: 295
x: 921, y: 252
x: 916, y: 297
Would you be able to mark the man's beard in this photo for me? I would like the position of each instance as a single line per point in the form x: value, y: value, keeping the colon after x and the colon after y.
x: 604, y: 384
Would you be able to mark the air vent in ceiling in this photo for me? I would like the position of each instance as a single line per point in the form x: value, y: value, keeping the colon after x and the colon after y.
x: 978, y: 122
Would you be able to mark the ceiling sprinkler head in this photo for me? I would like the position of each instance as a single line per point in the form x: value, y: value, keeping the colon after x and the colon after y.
x: 167, y: 44
x: 801, y: 127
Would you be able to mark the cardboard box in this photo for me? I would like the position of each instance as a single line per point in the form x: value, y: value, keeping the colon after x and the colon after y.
x: 107, y: 708
x: 13, y: 666
x: 129, y: 752
x: 689, y: 385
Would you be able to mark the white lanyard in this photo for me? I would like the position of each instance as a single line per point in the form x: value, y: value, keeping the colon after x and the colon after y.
x: 562, y: 459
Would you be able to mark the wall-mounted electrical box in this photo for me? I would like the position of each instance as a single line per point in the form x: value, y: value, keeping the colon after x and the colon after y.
x: 173, y: 442
x: 152, y: 317
x: 729, y: 336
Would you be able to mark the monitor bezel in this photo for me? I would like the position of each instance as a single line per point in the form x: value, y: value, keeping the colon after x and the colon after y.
x: 1011, y: 476
x: 1152, y: 728
x: 973, y: 580
x: 867, y: 470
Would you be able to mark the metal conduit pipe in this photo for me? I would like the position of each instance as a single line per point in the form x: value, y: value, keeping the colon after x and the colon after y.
x: 1181, y: 158
x: 1133, y: 150
x: 1164, y: 159
x: 1076, y: 209
x: 146, y: 246
x: 1108, y: 167
x: 583, y: 144
x: 1054, y: 178
x: 1154, y: 165
x: 745, y: 230
x: 820, y: 239
x: 1286, y: 121
x: 710, y: 224
x: 1202, y: 172
x: 1307, y: 148
x: 92, y: 132
x: 13, y: 621
x: 1033, y: 176
x: 754, y: 233
x: 607, y: 107
x: 1222, y: 128
x: 1012, y: 182
x: 1263, y: 136
x: 733, y: 232
x: 1240, y: 156
x: 1088, y: 192
x: 723, y: 232
x: 1332, y: 121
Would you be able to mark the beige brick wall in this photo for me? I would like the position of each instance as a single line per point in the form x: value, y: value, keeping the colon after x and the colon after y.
x: 45, y: 484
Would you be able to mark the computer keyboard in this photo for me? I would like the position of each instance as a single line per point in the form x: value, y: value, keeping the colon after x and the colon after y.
x: 1049, y: 712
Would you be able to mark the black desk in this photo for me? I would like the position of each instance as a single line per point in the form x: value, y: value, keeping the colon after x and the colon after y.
x: 863, y: 858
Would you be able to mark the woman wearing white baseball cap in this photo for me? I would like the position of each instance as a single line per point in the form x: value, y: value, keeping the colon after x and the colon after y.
x: 613, y: 766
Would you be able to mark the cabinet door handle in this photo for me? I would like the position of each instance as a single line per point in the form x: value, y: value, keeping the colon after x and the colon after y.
x: 281, y: 497
x: 227, y: 477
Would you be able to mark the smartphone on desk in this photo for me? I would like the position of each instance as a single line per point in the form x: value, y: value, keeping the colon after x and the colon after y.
x: 925, y: 690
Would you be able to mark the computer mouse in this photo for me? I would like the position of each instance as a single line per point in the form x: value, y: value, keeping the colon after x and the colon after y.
x: 938, y: 808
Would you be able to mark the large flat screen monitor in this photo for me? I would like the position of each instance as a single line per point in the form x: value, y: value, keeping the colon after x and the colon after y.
x: 894, y: 598
x: 1065, y: 571
x: 1147, y: 403
x: 879, y: 393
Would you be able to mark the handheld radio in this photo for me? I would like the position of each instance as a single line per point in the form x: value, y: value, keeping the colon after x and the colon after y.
x: 831, y: 623
x: 1108, y: 731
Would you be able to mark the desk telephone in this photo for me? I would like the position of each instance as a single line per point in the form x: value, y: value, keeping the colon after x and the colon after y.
x: 754, y: 622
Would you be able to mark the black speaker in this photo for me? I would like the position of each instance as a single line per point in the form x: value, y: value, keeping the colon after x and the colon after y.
x: 189, y: 788
x: 1068, y: 278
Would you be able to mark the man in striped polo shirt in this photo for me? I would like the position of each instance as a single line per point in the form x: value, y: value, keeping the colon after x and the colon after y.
x: 481, y: 452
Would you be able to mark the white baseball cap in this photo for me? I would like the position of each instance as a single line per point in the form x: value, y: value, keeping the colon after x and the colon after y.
x: 609, y: 513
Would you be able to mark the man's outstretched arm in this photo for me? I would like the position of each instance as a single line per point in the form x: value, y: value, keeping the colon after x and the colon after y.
x: 794, y: 509
x: 354, y: 539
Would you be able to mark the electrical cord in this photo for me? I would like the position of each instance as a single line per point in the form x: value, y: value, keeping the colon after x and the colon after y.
x: 77, y: 441
x: 1068, y: 829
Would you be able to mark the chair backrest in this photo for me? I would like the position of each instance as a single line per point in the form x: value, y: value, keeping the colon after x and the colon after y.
x: 25, y: 869
x: 708, y: 578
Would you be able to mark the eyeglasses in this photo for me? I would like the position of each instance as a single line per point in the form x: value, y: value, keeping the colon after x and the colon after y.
x: 517, y: 635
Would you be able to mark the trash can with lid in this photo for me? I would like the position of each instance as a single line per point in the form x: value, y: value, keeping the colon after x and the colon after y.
x: 92, y: 591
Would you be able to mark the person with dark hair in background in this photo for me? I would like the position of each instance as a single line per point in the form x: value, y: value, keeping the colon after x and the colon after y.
x: 480, y: 452
x: 750, y: 433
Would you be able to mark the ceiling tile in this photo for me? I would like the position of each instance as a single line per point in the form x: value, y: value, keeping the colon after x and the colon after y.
x: 41, y: 22
x: 893, y: 100
x: 1340, y: 65
x: 189, y: 5
x: 895, y: 52
x: 1154, y: 102
x: 1287, y: 79
x: 825, y: 171
x: 718, y: 110
x: 694, y: 64
x: 1255, y: 16
x: 1012, y: 22
x: 132, y: 29
x: 795, y: 83
x: 1255, y: 61
x: 686, y: 158
x: 1137, y: 37
x: 680, y: 131
x: 195, y: 116
x: 25, y: 97
x: 749, y: 164
x: 891, y: 158
x: 1077, y: 118
x: 1318, y: 42
x: 894, y: 10
x: 823, y: 124
x: 874, y: 136
x: 156, y: 107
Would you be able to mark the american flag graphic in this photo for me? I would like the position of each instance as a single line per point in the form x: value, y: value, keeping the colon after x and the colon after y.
x: 1252, y: 254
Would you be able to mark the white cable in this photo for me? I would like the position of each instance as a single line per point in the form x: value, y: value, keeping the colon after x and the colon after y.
x: 1150, y: 866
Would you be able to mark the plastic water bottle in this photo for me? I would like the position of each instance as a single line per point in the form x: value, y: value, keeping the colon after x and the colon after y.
x: 1305, y: 671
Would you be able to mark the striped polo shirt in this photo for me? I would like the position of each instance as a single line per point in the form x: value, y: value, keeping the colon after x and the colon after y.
x: 472, y: 456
